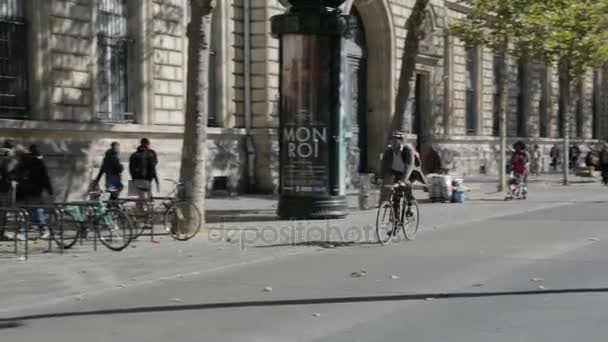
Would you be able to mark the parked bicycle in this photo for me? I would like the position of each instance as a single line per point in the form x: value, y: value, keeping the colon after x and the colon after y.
x: 388, y: 222
x: 111, y: 225
x: 179, y: 217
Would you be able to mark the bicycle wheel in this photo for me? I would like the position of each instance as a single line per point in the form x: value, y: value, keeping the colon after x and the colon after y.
x: 114, y: 229
x: 67, y: 231
x: 183, y: 220
x: 385, y: 223
x: 411, y: 221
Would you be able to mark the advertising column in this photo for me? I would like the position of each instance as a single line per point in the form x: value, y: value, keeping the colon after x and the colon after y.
x: 310, y: 128
x: 305, y: 115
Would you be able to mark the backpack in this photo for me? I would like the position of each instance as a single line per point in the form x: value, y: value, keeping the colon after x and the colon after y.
x: 142, y: 165
x: 604, y: 158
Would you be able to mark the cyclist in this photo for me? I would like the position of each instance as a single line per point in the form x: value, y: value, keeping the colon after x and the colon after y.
x: 399, y: 162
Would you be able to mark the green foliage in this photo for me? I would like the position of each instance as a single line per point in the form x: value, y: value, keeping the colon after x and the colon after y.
x: 573, y: 33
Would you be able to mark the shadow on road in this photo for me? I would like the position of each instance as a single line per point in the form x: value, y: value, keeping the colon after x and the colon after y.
x: 226, y: 216
x: 17, y: 321
x: 10, y: 325
x: 322, y: 244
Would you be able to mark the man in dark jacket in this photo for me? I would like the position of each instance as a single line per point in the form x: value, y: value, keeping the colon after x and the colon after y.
x: 142, y: 166
x: 8, y: 178
x: 603, y: 161
x: 32, y: 181
x: 398, y: 161
x: 112, y: 168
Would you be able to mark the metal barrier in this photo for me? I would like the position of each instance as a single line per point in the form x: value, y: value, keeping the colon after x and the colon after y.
x: 21, y: 221
x: 136, y: 216
x: 61, y: 206
x: 54, y: 223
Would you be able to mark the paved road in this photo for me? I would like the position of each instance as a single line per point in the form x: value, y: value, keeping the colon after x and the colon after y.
x: 526, y: 275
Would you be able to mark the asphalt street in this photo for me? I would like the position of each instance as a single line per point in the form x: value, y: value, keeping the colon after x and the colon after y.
x: 536, y: 275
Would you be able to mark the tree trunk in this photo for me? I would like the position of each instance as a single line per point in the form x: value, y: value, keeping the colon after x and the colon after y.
x: 408, y: 63
x: 564, y: 105
x: 192, y: 171
x: 408, y: 67
x: 502, y: 90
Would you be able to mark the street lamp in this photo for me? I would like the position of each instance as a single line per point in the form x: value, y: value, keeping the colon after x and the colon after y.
x: 311, y: 123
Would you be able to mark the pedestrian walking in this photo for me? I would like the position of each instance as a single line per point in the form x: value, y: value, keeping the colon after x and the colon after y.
x: 112, y: 168
x: 536, y: 160
x: 142, y: 166
x: 520, y: 168
x: 555, y: 155
x: 575, y: 153
x: 33, y: 183
x: 8, y: 181
x: 603, y: 159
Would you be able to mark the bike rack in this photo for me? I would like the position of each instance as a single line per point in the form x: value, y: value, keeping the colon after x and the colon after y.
x: 61, y: 206
x: 51, y: 210
x: 135, y: 200
x: 22, y: 221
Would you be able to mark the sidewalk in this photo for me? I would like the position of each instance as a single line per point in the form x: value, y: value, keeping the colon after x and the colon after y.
x: 49, y: 278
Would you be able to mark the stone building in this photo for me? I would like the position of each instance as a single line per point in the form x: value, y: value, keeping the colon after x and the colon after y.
x: 78, y: 74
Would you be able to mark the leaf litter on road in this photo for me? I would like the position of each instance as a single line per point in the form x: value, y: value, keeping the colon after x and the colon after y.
x: 358, y: 274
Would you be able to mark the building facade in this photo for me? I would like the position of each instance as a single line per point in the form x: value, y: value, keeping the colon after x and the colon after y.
x: 78, y: 74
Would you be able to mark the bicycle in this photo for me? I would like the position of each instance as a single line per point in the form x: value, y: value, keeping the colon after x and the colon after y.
x: 387, y: 224
x: 180, y: 217
x: 111, y: 225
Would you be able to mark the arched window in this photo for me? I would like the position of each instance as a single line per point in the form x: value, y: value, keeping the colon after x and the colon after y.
x: 112, y: 63
x: 594, y: 107
x: 543, y: 105
x: 580, y: 109
x: 521, y: 99
x: 212, y: 101
x: 212, y: 118
x: 471, y: 90
x: 498, y: 59
x: 13, y: 60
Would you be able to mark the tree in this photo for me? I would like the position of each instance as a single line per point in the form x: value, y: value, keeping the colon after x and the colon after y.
x: 573, y: 35
x: 496, y: 24
x: 192, y: 171
x: 414, y: 34
x: 408, y: 62
x: 569, y: 33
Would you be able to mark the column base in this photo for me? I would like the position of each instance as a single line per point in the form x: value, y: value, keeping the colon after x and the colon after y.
x: 312, y: 208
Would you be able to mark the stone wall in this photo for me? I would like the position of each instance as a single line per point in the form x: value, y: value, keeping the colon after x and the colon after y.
x: 74, y: 153
x: 169, y: 61
x: 64, y: 90
x: 71, y: 49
